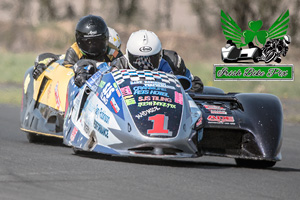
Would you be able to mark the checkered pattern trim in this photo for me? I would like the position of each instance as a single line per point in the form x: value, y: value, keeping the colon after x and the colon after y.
x: 145, y: 75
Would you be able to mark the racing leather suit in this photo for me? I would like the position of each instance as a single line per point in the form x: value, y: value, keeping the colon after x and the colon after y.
x: 74, y: 54
x: 179, y: 68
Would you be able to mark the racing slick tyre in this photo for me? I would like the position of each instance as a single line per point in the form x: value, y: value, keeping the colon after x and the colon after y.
x: 278, y: 60
x: 254, y: 163
x: 270, y: 56
x: 77, y: 151
x: 34, y: 138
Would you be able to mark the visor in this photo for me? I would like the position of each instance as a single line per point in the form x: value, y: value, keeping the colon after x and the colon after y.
x: 93, y: 45
x: 145, y: 62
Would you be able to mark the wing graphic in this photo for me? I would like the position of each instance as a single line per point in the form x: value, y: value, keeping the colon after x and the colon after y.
x: 279, y: 27
x: 231, y: 30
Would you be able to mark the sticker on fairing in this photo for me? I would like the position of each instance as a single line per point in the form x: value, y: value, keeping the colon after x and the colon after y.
x: 220, y: 119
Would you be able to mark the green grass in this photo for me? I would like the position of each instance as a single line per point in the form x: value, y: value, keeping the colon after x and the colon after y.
x: 12, y: 70
x: 14, y: 66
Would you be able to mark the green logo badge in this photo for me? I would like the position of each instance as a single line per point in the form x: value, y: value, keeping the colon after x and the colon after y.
x: 275, y: 45
x: 233, y: 32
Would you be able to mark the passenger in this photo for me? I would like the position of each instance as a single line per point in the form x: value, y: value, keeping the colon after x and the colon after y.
x: 94, y: 40
x: 144, y: 51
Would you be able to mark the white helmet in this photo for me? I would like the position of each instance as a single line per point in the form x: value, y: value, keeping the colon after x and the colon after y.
x: 114, y: 37
x: 287, y: 39
x: 144, y: 50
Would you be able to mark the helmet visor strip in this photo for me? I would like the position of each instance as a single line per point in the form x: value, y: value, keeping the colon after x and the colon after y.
x: 145, y: 62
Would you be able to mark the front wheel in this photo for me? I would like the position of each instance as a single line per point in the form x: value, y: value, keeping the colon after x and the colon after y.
x: 34, y: 138
x: 254, y: 163
x: 270, y: 56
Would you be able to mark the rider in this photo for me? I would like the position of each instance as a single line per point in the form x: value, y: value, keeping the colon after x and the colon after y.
x: 94, y: 40
x: 144, y: 51
x: 279, y: 45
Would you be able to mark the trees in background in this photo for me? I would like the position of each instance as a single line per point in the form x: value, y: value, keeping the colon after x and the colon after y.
x: 134, y: 12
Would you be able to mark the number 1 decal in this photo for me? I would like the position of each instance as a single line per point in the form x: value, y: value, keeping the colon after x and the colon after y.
x: 160, y: 125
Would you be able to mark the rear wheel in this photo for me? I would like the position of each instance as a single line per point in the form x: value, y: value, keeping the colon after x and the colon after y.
x: 254, y: 163
x: 79, y: 151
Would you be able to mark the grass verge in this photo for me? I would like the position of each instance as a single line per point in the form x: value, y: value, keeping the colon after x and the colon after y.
x: 14, y: 66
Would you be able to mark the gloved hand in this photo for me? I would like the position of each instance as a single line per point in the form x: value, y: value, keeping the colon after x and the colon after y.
x: 38, y: 70
x: 84, y: 69
x: 197, y: 85
x: 81, y: 76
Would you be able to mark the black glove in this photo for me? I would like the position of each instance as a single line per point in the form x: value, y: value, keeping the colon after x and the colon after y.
x: 81, y: 78
x: 84, y: 69
x: 38, y: 70
x: 197, y: 85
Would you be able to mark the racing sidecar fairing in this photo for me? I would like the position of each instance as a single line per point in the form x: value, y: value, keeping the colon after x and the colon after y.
x: 133, y: 113
x: 144, y: 113
x: 43, y: 102
x: 230, y: 53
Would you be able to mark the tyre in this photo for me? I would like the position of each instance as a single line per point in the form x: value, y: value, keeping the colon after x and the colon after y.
x: 34, y: 138
x: 270, y: 56
x: 278, y: 60
x: 254, y: 163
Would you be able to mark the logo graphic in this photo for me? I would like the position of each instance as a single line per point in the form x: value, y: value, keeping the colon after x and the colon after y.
x: 145, y: 49
x: 233, y: 32
x: 272, y: 49
x: 274, y: 44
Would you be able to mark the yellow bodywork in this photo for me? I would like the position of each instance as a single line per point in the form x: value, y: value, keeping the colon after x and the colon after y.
x: 55, y: 78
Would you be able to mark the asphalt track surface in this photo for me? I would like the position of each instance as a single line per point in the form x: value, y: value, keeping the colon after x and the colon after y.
x: 52, y: 171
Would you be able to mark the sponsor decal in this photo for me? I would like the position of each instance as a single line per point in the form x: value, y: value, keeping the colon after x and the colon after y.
x: 100, y: 113
x: 154, y: 98
x: 126, y: 91
x: 70, y: 74
x: 147, y: 112
x: 114, y: 105
x: 119, y: 82
x: 158, y: 84
x: 118, y: 92
x: 26, y: 83
x: 136, y: 82
x: 156, y: 103
x: 115, y: 85
x: 106, y: 92
x: 145, y: 49
x: 73, y: 134
x: 86, y: 128
x: 57, y: 99
x: 199, y: 122
x: 220, y: 119
x: 219, y: 112
x: 214, y: 107
x: 49, y: 91
x: 140, y: 90
x: 102, y: 83
x: 103, y: 131
x: 178, y: 98
x: 128, y: 97
x: 130, y: 101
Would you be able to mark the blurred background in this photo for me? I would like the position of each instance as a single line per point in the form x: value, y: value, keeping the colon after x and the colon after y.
x: 190, y: 27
